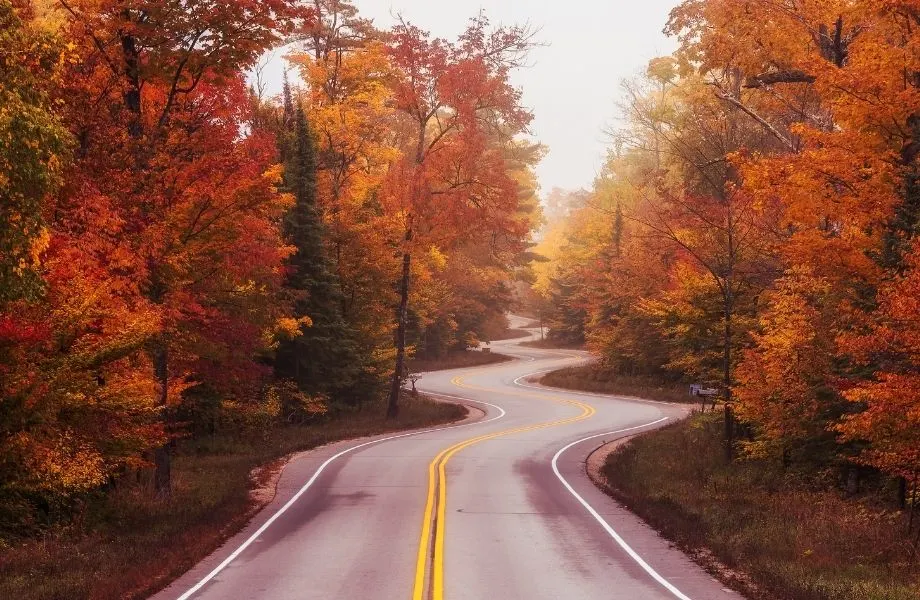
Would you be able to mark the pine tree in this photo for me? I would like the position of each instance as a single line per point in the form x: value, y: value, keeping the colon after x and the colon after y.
x: 324, y: 359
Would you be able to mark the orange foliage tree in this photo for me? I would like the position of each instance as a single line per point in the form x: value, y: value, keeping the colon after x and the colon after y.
x: 887, y: 422
x: 180, y: 206
x: 835, y: 85
x: 453, y: 178
x: 76, y: 404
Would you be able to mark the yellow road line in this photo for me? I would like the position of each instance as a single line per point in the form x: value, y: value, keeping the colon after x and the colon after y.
x: 439, y: 484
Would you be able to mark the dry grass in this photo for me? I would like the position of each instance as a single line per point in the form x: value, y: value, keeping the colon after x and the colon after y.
x: 532, y: 324
x: 792, y: 533
x: 548, y: 344
x: 510, y: 334
x: 590, y: 378
x: 456, y: 360
x: 125, y: 545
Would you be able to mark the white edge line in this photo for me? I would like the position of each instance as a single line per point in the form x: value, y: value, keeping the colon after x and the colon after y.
x: 619, y: 540
x: 194, y: 589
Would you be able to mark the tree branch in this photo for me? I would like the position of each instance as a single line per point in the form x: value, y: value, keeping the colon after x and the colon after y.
x: 726, y: 97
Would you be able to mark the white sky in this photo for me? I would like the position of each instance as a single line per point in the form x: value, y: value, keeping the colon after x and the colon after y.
x: 574, y: 82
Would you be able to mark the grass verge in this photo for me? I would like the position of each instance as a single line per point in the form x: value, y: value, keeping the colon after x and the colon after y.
x: 548, y: 344
x: 511, y: 334
x: 457, y: 360
x: 126, y: 545
x: 790, y: 535
x: 590, y: 378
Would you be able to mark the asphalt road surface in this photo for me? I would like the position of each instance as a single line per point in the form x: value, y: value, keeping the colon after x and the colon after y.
x: 496, y: 508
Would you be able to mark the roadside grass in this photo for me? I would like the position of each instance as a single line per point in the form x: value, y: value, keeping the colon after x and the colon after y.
x: 510, y: 334
x: 790, y: 533
x: 126, y: 545
x: 457, y: 360
x: 591, y: 378
x: 549, y: 344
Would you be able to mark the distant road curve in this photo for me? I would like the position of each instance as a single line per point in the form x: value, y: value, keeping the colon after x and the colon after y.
x: 500, y: 508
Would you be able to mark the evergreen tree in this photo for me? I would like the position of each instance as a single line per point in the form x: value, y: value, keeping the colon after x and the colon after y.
x: 325, y: 358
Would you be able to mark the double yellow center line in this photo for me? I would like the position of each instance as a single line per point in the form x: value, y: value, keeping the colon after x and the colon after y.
x: 436, y: 503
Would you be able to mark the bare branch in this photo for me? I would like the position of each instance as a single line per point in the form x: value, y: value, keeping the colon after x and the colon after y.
x: 726, y: 97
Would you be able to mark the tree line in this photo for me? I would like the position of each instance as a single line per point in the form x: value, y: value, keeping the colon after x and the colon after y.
x: 181, y: 255
x: 755, y: 228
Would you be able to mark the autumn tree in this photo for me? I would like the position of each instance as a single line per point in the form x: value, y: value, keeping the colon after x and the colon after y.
x: 785, y: 381
x: 695, y: 203
x: 887, y: 422
x: 834, y: 84
x: 625, y: 271
x: 451, y: 181
x: 472, y: 276
x: 76, y: 396
x: 159, y: 106
x: 568, y: 242
x: 33, y: 147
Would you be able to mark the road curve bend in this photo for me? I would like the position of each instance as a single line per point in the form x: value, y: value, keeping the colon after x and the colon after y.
x: 499, y: 508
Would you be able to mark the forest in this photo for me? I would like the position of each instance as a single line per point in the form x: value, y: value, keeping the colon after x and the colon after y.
x: 181, y: 255
x: 191, y: 266
x: 755, y: 230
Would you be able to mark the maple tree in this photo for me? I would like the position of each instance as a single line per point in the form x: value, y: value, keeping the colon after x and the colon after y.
x: 75, y: 408
x: 758, y: 217
x: 33, y: 147
x: 785, y: 379
x: 188, y: 197
x: 179, y: 254
x: 451, y: 180
x: 888, y: 419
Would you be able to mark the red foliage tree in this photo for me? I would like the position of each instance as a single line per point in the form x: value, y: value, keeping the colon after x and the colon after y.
x: 453, y: 180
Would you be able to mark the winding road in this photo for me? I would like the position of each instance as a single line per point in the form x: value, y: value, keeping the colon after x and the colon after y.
x: 499, y: 507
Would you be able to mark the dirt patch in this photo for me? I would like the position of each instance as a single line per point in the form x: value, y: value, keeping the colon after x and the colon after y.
x: 264, y: 481
x: 594, y: 465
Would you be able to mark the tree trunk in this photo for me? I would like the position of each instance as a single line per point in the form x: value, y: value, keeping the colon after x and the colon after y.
x: 402, y: 313
x: 132, y: 93
x: 852, y: 482
x: 727, y: 377
x: 913, y: 504
x: 162, y: 474
x: 401, y: 318
x: 162, y: 460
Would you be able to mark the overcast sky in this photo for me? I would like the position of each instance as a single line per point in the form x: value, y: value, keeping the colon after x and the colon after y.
x: 574, y: 82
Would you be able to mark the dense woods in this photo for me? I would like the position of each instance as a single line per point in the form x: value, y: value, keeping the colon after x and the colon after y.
x: 182, y: 255
x: 755, y: 229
